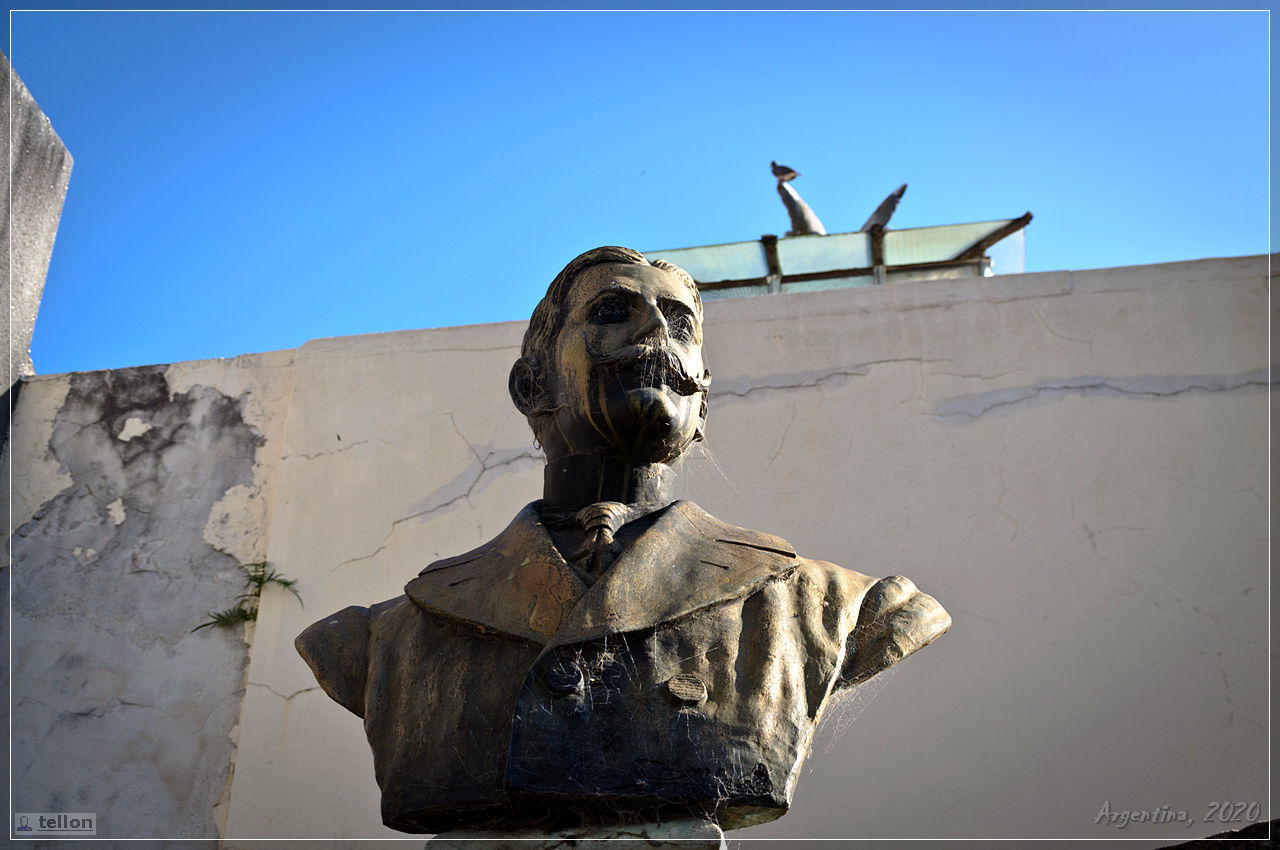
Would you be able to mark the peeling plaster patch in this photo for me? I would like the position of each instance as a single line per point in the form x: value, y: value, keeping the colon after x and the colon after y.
x: 37, y: 476
x: 241, y: 377
x: 235, y: 525
x: 119, y: 709
x: 133, y: 427
x: 966, y: 408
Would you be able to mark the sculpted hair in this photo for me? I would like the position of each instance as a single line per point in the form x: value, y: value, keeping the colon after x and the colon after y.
x: 548, y: 319
x: 548, y: 316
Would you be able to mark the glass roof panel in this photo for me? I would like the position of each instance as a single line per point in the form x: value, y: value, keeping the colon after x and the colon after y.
x: 930, y: 244
x: 805, y: 254
x: 709, y: 263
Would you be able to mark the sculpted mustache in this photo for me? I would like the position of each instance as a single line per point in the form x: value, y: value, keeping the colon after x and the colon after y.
x: 673, y: 372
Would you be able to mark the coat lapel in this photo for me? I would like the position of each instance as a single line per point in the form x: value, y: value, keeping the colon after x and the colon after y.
x: 517, y: 583
x: 686, y: 561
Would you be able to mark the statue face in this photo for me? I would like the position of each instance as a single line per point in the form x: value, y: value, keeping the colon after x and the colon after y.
x: 627, y: 374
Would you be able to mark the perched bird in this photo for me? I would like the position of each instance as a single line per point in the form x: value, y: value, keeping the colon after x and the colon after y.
x: 885, y: 211
x: 783, y: 173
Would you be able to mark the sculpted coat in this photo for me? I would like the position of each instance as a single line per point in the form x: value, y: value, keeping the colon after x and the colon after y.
x: 691, y: 674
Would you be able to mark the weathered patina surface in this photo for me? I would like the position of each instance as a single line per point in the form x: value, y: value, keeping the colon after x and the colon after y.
x: 614, y: 656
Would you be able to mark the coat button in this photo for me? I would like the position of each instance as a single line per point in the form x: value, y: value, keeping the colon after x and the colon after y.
x: 686, y: 688
x: 562, y: 676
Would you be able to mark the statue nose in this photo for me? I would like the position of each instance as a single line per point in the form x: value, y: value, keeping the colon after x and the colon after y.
x: 653, y: 324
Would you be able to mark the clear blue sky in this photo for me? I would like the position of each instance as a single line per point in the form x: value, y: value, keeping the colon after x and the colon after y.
x: 248, y: 181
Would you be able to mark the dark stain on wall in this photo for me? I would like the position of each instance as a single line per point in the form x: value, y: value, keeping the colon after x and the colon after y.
x: 118, y: 708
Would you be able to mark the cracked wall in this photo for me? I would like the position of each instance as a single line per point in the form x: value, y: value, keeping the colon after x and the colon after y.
x: 399, y: 449
x: 138, y: 494
x: 1072, y: 462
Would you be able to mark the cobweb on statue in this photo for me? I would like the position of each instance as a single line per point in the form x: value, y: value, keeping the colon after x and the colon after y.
x: 843, y: 707
x: 700, y: 456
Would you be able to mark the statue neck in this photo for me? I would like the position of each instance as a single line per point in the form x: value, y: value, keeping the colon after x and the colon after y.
x: 571, y: 482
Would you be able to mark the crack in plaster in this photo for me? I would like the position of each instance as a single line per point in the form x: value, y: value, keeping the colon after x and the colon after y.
x: 998, y: 507
x: 782, y: 441
x: 39, y: 745
x: 1095, y: 534
x: 743, y: 387
x: 454, y: 423
x: 967, y: 408
x: 1045, y: 324
x: 954, y: 296
x: 1116, y: 568
x: 448, y: 495
x: 97, y: 710
x: 282, y: 696
x: 975, y: 376
x: 345, y: 448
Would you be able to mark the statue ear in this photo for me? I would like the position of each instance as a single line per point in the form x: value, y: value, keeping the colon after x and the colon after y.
x: 525, y: 386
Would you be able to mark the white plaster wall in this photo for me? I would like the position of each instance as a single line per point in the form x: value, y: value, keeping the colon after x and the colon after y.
x: 400, y: 448
x: 1073, y: 463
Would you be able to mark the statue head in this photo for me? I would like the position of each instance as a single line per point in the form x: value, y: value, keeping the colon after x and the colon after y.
x: 612, y: 360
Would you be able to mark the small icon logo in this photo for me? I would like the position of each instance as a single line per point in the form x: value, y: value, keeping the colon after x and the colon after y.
x: 56, y: 823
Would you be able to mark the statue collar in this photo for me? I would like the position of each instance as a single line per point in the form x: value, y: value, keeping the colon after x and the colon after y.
x: 518, y: 584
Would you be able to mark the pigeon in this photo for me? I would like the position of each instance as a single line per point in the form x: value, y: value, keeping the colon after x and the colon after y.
x: 783, y: 173
x: 885, y: 211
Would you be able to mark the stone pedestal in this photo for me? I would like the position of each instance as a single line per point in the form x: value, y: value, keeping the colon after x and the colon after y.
x: 682, y: 834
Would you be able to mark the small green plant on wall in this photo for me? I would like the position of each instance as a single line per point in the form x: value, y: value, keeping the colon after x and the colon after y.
x: 257, y: 576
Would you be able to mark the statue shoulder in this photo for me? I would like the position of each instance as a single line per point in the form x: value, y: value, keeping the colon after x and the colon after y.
x: 722, y: 532
x: 517, y: 532
x: 458, y: 560
x: 336, y: 649
x: 838, y: 582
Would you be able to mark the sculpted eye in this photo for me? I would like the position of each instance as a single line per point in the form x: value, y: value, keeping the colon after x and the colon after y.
x: 679, y: 321
x: 681, y: 327
x: 610, y: 308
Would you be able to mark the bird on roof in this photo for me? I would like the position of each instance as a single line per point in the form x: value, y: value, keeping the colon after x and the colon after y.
x: 885, y: 211
x: 783, y: 173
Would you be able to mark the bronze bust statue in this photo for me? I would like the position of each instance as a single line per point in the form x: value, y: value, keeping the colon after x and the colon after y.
x: 613, y: 656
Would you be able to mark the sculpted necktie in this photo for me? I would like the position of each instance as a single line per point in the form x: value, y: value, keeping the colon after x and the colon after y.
x: 598, y: 522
